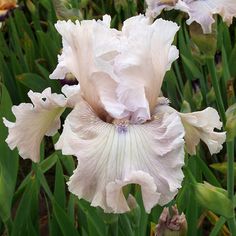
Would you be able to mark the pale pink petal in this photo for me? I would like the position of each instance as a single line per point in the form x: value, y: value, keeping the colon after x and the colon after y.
x: 120, y: 72
x: 110, y: 158
x: 155, y: 7
x: 202, y: 12
x: 72, y: 94
x: 145, y: 57
x: 33, y: 121
x: 89, y: 48
x: 201, y: 125
x: 117, y: 200
x: 198, y: 126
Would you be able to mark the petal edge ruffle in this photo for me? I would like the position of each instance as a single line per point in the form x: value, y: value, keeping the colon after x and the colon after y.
x: 109, y: 159
x: 33, y: 121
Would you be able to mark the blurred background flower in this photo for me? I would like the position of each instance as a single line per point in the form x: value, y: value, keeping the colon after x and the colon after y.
x: 5, y: 7
x: 201, y: 11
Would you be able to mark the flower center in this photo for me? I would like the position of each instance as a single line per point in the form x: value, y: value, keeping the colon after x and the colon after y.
x: 121, y: 125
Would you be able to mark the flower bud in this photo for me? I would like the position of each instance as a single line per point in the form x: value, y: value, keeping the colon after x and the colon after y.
x: 64, y: 13
x: 171, y: 224
x: 231, y: 122
x: 207, y: 43
x: 214, y: 199
x: 135, y: 213
x: 185, y: 107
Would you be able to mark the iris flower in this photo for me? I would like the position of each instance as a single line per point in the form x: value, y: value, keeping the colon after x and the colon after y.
x: 120, y: 129
x: 6, y: 6
x: 201, y: 11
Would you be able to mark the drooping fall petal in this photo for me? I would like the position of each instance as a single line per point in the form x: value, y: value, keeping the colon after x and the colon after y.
x: 33, y: 121
x: 111, y: 157
x: 201, y: 125
x: 198, y: 126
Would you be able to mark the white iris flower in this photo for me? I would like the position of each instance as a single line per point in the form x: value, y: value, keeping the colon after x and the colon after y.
x: 119, y: 128
x: 201, y: 11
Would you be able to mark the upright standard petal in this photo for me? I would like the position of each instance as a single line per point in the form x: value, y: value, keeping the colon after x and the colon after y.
x: 89, y: 48
x: 201, y: 125
x: 111, y: 156
x: 120, y: 72
x: 33, y: 121
x: 143, y: 62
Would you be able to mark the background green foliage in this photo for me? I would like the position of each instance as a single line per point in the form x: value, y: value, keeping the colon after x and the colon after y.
x: 34, y: 199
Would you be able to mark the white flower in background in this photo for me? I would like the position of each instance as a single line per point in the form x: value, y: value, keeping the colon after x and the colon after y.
x: 119, y: 129
x: 201, y: 11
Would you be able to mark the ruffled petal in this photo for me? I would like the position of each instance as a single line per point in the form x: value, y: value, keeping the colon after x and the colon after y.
x: 201, y: 125
x: 120, y: 72
x: 198, y: 126
x: 72, y: 93
x: 33, y: 121
x: 117, y: 200
x: 227, y: 10
x: 89, y: 48
x: 202, y: 12
x: 155, y: 7
x: 143, y: 62
x: 111, y: 156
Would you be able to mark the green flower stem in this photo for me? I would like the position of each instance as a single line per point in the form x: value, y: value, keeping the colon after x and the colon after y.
x: 230, y: 180
x: 230, y: 145
x: 230, y: 169
x: 113, y: 229
x: 219, y: 100
x: 9, y: 225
